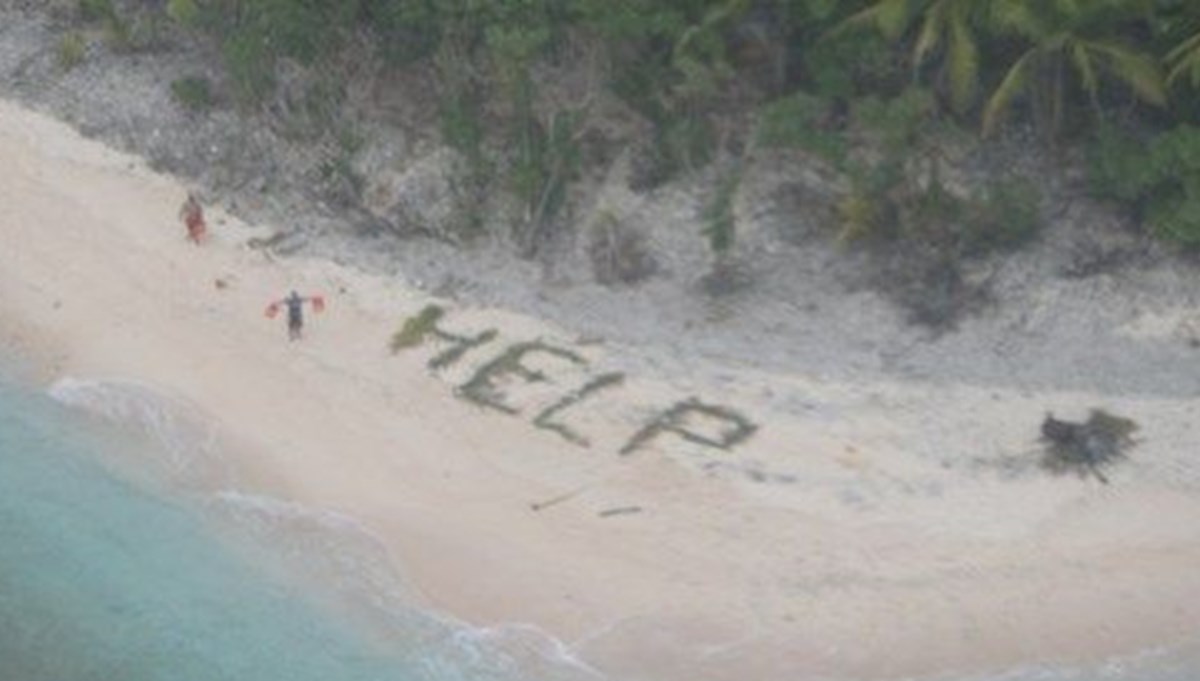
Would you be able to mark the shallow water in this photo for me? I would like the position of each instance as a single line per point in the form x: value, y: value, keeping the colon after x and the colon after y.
x: 102, y: 578
x: 128, y: 550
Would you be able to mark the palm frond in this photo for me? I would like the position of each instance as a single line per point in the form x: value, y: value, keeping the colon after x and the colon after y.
x: 930, y: 35
x: 1082, y: 59
x: 1016, y: 80
x: 1135, y: 69
x: 963, y: 64
x: 1019, y: 17
x: 1189, y: 66
x: 1069, y: 8
x: 1184, y: 58
x: 1184, y: 49
x: 892, y: 18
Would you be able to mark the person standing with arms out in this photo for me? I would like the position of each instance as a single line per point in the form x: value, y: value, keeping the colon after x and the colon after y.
x: 193, y: 218
x: 294, y: 303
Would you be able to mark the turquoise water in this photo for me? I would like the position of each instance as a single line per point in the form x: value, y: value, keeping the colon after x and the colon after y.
x: 177, y: 575
x: 104, y: 579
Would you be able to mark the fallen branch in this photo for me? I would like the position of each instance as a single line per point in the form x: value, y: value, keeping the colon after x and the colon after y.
x: 1086, y: 447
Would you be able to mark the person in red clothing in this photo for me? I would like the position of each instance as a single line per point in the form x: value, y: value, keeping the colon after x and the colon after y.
x: 193, y: 218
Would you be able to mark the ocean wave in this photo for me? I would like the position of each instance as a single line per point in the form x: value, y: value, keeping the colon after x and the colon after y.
x: 353, y: 567
x: 528, y: 647
x: 333, y: 547
x: 186, y: 446
x: 337, y: 558
x: 341, y: 561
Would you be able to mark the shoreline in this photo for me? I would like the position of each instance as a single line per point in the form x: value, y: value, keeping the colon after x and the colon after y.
x: 851, y: 535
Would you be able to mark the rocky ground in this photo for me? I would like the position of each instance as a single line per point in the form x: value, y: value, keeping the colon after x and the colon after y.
x: 1090, y: 305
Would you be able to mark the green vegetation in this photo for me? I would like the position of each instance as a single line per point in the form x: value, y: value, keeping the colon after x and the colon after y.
x: 71, y: 49
x: 547, y: 158
x: 97, y: 10
x: 1006, y: 217
x: 341, y: 181
x: 677, y: 419
x: 194, y: 93
x: 461, y: 345
x: 255, y: 34
x: 1157, y: 176
x: 719, y: 221
x: 117, y: 30
x: 424, y: 325
x: 1062, y: 39
x: 183, y: 11
x: 482, y: 388
x: 799, y: 121
x: 544, y: 419
x: 873, y: 87
x: 417, y: 328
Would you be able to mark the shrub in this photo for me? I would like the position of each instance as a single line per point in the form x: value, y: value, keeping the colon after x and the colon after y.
x: 1120, y: 166
x: 860, y: 217
x: 848, y: 65
x: 96, y: 10
x: 620, y: 254
x: 545, y: 162
x: 194, y: 93
x: 719, y: 221
x: 896, y: 123
x: 147, y: 32
x: 688, y: 142
x: 1158, y: 178
x: 250, y: 65
x: 71, y: 49
x: 405, y: 30
x: 183, y: 11
x: 799, y: 120
x: 116, y: 30
x: 1005, y: 218
x: 869, y: 212
x: 679, y: 144
x: 460, y: 104
x: 254, y: 34
x: 118, y: 35
x: 460, y: 123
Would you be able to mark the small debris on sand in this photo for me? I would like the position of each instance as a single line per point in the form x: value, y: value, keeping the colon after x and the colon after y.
x: 623, y: 510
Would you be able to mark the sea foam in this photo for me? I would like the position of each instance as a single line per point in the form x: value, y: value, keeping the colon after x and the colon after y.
x: 342, y: 564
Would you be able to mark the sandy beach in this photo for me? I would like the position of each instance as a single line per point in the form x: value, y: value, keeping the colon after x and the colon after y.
x: 873, y: 529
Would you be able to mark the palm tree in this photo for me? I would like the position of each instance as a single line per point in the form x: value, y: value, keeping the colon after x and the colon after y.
x: 1067, y: 36
x: 1184, y: 58
x: 945, y: 27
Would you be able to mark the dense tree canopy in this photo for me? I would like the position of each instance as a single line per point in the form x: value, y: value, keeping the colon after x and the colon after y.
x: 1032, y: 59
x: 1070, y: 69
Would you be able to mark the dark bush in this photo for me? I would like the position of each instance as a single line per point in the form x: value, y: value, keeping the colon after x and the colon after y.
x: 194, y: 93
x: 1158, y: 178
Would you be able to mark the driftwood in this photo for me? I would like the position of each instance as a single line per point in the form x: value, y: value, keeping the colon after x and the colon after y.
x: 1085, y: 447
x: 622, y: 510
x: 552, y: 501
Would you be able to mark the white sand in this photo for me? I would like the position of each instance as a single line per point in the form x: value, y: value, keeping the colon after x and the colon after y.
x: 860, y: 532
